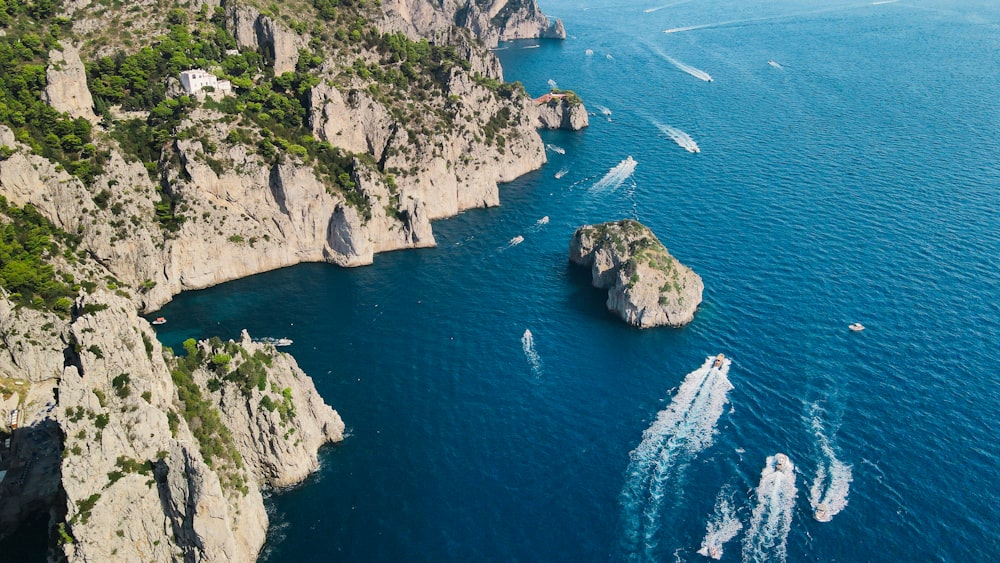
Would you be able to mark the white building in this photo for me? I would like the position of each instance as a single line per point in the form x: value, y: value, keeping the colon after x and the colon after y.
x: 197, y: 80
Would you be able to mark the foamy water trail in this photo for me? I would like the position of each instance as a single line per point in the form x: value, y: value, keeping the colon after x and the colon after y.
x: 556, y: 149
x: 552, y: 84
x: 764, y: 18
x: 542, y: 222
x: 512, y: 243
x: 609, y: 57
x: 682, y: 139
x: 884, y: 2
x: 658, y: 8
x: 602, y: 109
x: 695, y: 72
x: 828, y: 495
x: 776, y: 65
x: 771, y: 519
x: 616, y: 176
x: 722, y: 526
x: 528, y: 345
x: 562, y: 172
x: 679, y: 433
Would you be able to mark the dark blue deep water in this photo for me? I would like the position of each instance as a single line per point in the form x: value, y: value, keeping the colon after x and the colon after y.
x: 854, y: 180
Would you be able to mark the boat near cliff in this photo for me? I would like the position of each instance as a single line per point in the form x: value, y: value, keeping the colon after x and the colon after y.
x: 159, y: 321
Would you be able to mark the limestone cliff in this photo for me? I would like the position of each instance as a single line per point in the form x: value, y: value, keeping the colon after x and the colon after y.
x: 163, y: 459
x: 491, y: 20
x: 66, y: 84
x: 647, y: 286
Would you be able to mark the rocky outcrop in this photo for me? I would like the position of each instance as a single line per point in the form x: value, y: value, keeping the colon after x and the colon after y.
x: 253, y: 30
x: 491, y: 20
x: 647, y: 286
x: 66, y: 84
x: 561, y: 111
x: 163, y: 459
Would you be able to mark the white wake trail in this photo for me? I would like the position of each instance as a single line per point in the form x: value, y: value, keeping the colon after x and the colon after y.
x: 553, y: 85
x: 682, y: 139
x: 771, y: 519
x: 528, y: 345
x: 602, y: 109
x: 679, y: 433
x: 695, y: 72
x: 776, y: 65
x: 828, y: 494
x: 562, y: 172
x: 555, y: 148
x: 657, y: 9
x: 616, y: 176
x: 722, y: 527
x: 511, y: 243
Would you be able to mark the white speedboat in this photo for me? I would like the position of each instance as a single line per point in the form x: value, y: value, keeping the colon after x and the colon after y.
x: 821, y: 513
x: 159, y: 321
x: 782, y: 463
x: 856, y: 327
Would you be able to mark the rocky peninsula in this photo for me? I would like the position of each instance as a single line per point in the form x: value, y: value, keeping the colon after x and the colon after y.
x: 343, y: 131
x: 647, y: 287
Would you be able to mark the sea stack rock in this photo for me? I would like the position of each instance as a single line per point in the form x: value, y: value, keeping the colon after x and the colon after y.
x: 647, y: 286
x: 561, y: 109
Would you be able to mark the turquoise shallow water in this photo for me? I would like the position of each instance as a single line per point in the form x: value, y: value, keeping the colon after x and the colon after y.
x: 855, y: 180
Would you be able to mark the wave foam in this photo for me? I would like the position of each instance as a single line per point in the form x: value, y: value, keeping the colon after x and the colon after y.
x: 679, y: 433
x: 722, y: 527
x: 828, y: 495
x: 616, y: 176
x: 771, y: 518
x: 528, y: 345
x: 682, y: 139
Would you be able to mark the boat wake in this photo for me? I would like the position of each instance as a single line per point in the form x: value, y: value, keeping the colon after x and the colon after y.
x: 528, y: 345
x: 562, y: 172
x: 602, y: 109
x: 722, y: 527
x: 539, y: 224
x: 695, y: 72
x: 616, y: 176
x: 771, y: 518
x: 828, y: 495
x: 776, y: 65
x: 763, y: 18
x: 556, y: 149
x: 552, y: 84
x: 682, y: 139
x: 512, y: 243
x: 679, y: 433
x: 657, y: 9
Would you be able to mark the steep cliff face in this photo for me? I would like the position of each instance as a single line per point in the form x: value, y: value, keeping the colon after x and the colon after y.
x: 647, y: 286
x: 161, y: 461
x: 66, y: 84
x: 491, y: 20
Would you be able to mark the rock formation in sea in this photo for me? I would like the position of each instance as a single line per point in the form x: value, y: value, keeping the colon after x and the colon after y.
x: 352, y: 127
x: 561, y: 110
x: 647, y: 286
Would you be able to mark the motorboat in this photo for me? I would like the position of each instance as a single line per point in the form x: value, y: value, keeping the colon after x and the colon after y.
x: 782, y: 463
x: 719, y: 361
x: 713, y: 551
x: 822, y: 514
x: 159, y: 321
x: 856, y: 327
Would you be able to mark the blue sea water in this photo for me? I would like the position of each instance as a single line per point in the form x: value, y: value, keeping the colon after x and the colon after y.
x: 854, y: 180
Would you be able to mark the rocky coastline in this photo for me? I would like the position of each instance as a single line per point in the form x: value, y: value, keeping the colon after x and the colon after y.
x: 134, y: 453
x: 647, y: 287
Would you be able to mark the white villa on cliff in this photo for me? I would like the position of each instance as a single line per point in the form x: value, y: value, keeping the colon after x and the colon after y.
x: 197, y: 80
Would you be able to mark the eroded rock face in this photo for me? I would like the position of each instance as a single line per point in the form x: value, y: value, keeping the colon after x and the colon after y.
x: 66, y: 84
x: 140, y: 482
x: 647, y: 286
x: 491, y: 20
x: 561, y: 113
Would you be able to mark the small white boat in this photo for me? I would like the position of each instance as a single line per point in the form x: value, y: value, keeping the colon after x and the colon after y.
x: 781, y: 462
x: 159, y: 321
x: 856, y: 327
x: 718, y: 361
x: 283, y: 342
x: 821, y: 513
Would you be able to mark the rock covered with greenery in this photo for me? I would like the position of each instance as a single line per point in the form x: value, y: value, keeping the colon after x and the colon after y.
x: 647, y: 286
x: 162, y: 456
x: 561, y: 109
